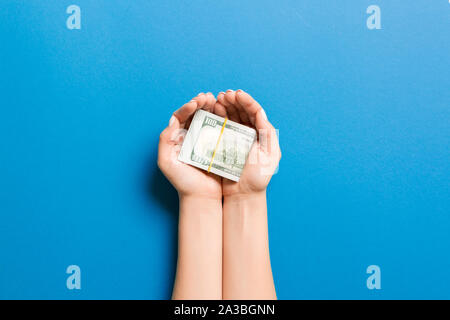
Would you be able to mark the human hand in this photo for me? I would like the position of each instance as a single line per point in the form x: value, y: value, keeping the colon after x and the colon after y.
x: 187, y: 180
x: 265, y: 153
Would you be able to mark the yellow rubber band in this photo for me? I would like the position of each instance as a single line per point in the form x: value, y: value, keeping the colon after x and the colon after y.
x: 217, y: 145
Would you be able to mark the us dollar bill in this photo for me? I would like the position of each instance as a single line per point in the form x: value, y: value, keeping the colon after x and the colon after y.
x: 232, y: 149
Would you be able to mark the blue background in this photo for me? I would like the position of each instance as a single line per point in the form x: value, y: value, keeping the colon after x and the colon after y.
x: 363, y: 117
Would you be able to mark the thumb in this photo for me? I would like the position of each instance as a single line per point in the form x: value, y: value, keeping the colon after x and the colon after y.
x: 171, y: 131
x: 169, y: 142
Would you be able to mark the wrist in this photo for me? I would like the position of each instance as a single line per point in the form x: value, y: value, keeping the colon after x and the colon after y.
x: 210, y: 198
x: 200, y: 205
x: 244, y: 207
x: 245, y: 222
x: 246, y: 196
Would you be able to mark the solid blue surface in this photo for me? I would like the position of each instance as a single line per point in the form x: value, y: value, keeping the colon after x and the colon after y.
x: 363, y: 117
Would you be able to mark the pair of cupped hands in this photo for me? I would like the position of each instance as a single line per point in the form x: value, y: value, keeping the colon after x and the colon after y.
x: 262, y: 160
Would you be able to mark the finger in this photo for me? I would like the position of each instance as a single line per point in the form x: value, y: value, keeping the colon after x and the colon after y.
x: 248, y: 104
x: 220, y: 110
x: 210, y: 101
x: 230, y: 97
x: 174, y: 133
x: 201, y: 100
x: 267, y: 135
x: 185, y: 112
x: 261, y: 121
x: 172, y: 136
x: 221, y: 98
x: 232, y: 112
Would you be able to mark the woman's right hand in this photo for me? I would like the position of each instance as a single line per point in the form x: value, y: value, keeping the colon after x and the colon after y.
x: 188, y: 180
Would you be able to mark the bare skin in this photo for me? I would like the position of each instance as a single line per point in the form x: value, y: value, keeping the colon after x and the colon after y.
x: 199, y: 267
x: 239, y: 267
x: 247, y: 272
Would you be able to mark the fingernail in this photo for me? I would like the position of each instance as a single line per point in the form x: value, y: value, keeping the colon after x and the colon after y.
x: 239, y: 90
x: 200, y: 94
x: 229, y: 90
x: 171, y: 121
x: 221, y: 92
x: 263, y: 113
x: 193, y: 101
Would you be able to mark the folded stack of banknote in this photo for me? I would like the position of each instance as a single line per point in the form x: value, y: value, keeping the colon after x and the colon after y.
x: 217, y: 145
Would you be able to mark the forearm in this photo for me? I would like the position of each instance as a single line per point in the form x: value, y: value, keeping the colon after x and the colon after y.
x: 247, y: 272
x: 199, y: 267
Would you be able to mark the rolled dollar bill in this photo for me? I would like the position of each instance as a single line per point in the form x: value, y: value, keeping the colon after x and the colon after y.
x: 217, y: 145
